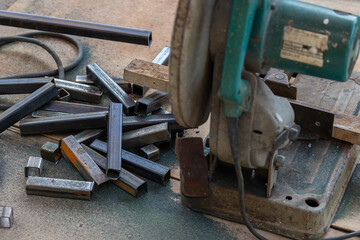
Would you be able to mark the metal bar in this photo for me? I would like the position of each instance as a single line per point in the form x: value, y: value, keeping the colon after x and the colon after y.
x: 81, y: 160
x: 34, y: 167
x: 114, y: 133
x: 64, y: 123
x: 113, y: 91
x: 135, y: 122
x: 137, y: 164
x: 62, y: 188
x: 22, y: 85
x: 41, y: 114
x: 51, y: 152
x: 145, y: 136
x: 6, y: 217
x: 151, y: 102
x: 70, y: 107
x: 163, y: 56
x: 81, y: 92
x: 78, y: 28
x: 89, y: 135
x: 127, y: 87
x: 126, y: 181
x: 150, y: 152
x: 27, y: 105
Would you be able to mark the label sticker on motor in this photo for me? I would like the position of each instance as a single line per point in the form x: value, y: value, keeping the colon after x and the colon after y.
x: 304, y: 46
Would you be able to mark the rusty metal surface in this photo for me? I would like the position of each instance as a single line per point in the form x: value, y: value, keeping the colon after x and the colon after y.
x: 127, y: 87
x: 138, y: 165
x: 27, y: 105
x: 147, y: 135
x: 114, y: 134
x: 151, y: 102
x: 314, y: 122
x: 112, y: 90
x: 63, y: 188
x: 193, y: 167
x: 81, y: 92
x: 69, y: 122
x: 34, y: 167
x: 71, y: 107
x: 126, y: 181
x: 51, y: 152
x: 89, y: 135
x: 76, y: 154
x: 21, y: 85
x: 6, y: 217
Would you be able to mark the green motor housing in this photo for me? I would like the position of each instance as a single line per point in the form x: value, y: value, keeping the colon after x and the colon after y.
x: 303, y: 38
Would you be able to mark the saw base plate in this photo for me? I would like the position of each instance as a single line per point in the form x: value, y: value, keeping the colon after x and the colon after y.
x: 307, y: 194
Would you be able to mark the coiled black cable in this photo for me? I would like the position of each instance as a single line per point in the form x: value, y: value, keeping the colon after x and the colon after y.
x: 29, y: 37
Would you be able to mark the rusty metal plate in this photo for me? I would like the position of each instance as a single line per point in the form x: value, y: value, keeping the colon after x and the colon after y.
x: 193, y: 166
x: 314, y: 122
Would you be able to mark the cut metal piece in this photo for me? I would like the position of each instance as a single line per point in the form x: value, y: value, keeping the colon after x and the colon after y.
x: 64, y: 123
x: 27, y: 105
x: 135, y: 122
x: 22, y: 85
x: 81, y: 92
x: 62, y: 188
x: 34, y: 167
x: 73, y: 151
x: 113, y: 91
x: 126, y: 181
x: 89, y: 135
x: 163, y: 56
x: 151, y: 102
x: 127, y: 87
x: 6, y: 217
x: 63, y: 95
x: 145, y: 136
x: 114, y: 133
x: 150, y: 152
x: 51, y: 152
x: 314, y: 122
x: 193, y: 167
x: 74, y: 27
x: 137, y: 164
x: 70, y: 107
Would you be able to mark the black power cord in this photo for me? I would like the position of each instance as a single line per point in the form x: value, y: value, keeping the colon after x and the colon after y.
x: 232, y: 124
x: 29, y: 37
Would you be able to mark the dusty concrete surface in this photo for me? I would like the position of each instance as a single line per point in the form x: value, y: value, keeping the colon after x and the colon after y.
x: 5, y: 4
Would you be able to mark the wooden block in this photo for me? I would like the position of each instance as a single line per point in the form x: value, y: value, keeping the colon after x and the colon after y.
x: 147, y: 74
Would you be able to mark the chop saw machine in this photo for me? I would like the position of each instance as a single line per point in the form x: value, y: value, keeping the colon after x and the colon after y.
x: 219, y: 50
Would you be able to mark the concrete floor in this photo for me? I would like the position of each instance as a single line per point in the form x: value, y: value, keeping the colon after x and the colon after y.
x: 112, y: 213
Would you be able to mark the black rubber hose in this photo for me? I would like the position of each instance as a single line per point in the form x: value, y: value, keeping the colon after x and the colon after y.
x: 57, y: 59
x: 72, y: 65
